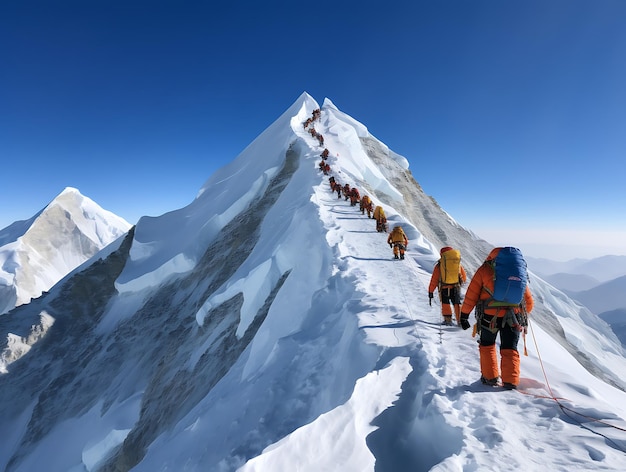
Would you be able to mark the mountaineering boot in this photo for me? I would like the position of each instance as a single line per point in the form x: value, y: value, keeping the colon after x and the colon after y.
x: 447, y: 320
x: 509, y: 386
x: 395, y: 256
x: 491, y: 382
x: 401, y: 256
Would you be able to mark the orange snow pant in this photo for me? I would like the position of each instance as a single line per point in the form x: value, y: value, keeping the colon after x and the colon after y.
x: 509, y: 356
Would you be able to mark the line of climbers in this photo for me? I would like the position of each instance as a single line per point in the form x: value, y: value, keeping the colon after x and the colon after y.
x: 396, y: 239
x: 317, y: 135
x: 498, y: 292
x: 349, y: 193
x: 317, y: 113
x: 501, y: 299
x: 365, y: 205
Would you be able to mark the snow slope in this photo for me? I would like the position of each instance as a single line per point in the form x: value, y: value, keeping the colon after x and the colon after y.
x: 37, y: 253
x: 265, y: 327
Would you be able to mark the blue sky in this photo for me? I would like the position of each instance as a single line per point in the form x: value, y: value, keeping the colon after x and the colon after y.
x: 512, y: 114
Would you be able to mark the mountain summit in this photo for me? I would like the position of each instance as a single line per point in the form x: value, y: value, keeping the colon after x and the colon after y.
x: 266, y: 327
x: 36, y: 253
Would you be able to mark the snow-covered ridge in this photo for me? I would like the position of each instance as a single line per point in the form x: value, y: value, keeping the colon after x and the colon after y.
x: 170, y: 245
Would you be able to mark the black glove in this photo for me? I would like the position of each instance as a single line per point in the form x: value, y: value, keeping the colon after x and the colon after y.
x: 430, y: 298
x: 465, y: 321
x: 390, y: 245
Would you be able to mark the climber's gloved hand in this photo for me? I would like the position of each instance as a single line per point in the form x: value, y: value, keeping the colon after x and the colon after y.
x: 465, y: 321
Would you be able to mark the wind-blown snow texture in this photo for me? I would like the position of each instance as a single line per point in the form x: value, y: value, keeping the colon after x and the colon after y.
x: 37, y: 253
x: 265, y: 327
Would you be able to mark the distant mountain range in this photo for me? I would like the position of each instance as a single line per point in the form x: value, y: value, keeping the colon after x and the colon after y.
x: 602, y: 269
x: 602, y: 298
x: 599, y: 284
x: 36, y: 253
x: 571, y: 282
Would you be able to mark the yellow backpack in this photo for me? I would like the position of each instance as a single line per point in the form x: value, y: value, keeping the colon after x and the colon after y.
x: 379, y: 213
x: 397, y: 234
x: 450, y: 266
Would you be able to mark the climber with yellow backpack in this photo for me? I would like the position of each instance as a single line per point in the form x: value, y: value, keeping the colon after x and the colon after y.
x: 381, y: 219
x: 398, y: 241
x: 448, y: 276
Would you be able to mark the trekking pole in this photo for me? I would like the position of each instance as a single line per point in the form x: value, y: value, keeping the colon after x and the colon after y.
x: 440, y: 328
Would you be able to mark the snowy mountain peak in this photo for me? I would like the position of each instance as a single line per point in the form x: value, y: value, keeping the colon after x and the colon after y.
x: 70, y: 190
x: 38, y: 252
x: 266, y: 327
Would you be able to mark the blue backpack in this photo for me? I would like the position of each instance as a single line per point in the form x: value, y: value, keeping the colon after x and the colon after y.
x: 511, y: 277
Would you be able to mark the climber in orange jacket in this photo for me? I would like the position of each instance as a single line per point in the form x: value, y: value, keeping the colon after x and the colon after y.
x: 448, y: 281
x: 366, y: 205
x: 355, y: 196
x: 381, y: 219
x: 493, y: 319
x: 398, y: 241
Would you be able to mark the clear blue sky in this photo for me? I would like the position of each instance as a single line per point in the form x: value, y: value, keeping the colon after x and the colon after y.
x: 511, y: 113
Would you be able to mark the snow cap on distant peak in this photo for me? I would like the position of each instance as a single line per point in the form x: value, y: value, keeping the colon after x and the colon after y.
x: 70, y: 194
x: 72, y: 200
x: 69, y: 190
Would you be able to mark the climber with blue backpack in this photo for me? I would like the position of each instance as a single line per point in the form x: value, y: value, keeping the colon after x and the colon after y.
x: 502, y: 300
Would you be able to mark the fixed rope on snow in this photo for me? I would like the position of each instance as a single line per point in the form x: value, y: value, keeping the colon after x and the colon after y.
x: 566, y: 410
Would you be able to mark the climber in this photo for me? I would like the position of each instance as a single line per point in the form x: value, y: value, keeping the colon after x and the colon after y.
x: 381, y: 219
x: 398, y: 241
x: 354, y: 196
x: 366, y: 205
x: 500, y: 293
x: 448, y: 276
